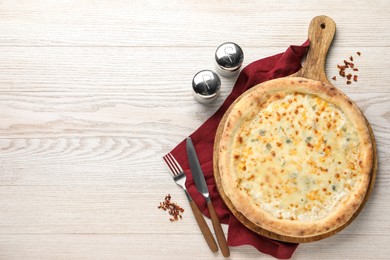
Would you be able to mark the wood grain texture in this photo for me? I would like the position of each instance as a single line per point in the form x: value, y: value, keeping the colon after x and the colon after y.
x: 94, y: 93
x: 320, y: 33
x: 219, y: 233
x: 204, y: 228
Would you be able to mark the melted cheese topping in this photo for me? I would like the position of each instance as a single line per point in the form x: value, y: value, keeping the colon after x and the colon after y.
x: 298, y: 158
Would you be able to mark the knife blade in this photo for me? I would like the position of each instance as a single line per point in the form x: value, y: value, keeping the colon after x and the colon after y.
x: 201, y: 185
x: 196, y: 170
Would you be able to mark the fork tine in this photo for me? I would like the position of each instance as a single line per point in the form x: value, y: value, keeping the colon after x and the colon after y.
x: 169, y: 164
x: 173, y: 164
x: 176, y: 163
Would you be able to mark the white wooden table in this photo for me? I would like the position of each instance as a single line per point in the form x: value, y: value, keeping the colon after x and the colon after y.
x: 94, y: 93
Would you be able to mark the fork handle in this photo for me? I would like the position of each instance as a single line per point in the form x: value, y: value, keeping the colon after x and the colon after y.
x: 204, y: 227
x: 218, y: 230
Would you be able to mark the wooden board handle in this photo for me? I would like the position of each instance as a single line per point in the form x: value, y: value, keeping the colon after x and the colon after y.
x: 208, y: 236
x: 218, y: 230
x: 321, y: 32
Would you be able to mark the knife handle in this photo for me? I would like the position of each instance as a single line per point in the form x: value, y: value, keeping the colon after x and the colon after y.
x: 218, y: 230
x: 208, y: 236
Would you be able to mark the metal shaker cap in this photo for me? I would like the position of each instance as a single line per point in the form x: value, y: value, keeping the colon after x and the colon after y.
x: 206, y: 85
x: 228, y: 58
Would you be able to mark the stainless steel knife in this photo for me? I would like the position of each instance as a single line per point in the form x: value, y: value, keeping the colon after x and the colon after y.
x: 201, y: 185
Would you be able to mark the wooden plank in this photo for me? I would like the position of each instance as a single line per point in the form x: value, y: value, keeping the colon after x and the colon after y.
x: 29, y: 115
x: 130, y: 208
x: 111, y: 246
x: 102, y: 161
x: 135, y: 23
x: 172, y: 247
x: 147, y: 73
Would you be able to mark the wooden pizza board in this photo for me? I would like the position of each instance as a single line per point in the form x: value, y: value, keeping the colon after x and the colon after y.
x: 321, y: 33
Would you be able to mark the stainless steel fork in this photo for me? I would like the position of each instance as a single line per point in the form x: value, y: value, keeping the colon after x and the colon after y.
x: 180, y: 178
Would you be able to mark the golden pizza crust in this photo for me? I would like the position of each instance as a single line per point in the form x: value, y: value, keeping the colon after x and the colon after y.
x: 244, y: 109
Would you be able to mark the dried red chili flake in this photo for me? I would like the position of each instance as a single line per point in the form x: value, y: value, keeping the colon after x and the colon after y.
x: 348, y: 66
x: 173, y: 209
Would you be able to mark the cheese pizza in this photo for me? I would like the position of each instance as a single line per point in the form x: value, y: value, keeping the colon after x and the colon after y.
x: 295, y: 157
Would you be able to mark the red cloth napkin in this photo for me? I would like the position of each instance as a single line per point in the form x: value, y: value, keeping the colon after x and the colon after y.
x: 276, y: 66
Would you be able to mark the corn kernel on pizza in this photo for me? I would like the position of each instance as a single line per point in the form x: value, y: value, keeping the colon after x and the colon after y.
x: 295, y: 157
